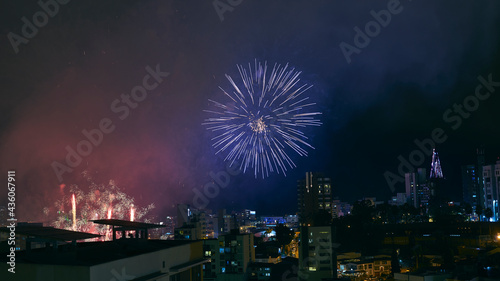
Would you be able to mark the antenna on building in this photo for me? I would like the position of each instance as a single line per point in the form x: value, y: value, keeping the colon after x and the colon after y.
x: 436, y: 171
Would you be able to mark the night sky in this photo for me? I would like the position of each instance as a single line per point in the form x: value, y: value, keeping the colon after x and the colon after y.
x: 395, y: 89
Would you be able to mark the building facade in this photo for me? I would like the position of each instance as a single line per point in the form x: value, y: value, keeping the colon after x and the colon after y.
x: 314, y: 193
x: 229, y: 256
x: 126, y: 259
x: 317, y: 257
x: 473, y: 182
x: 491, y: 182
x: 417, y: 190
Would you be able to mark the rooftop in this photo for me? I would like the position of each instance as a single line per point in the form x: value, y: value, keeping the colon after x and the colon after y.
x: 128, y: 225
x: 50, y: 233
x: 93, y: 253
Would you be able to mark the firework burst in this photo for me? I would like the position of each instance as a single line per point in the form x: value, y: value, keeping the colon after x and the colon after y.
x: 76, y: 210
x: 262, y: 119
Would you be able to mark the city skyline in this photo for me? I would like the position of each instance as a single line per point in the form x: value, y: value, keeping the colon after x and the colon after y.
x: 64, y: 89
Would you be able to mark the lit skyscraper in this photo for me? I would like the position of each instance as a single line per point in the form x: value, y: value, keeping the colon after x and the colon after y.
x: 470, y: 184
x: 417, y: 191
x: 473, y: 183
x: 314, y: 193
x: 491, y: 182
x: 436, y: 183
x: 317, y: 256
x: 436, y: 171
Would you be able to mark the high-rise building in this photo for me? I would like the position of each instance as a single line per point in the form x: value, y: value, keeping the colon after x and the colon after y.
x: 250, y: 215
x: 436, y: 170
x: 317, y: 256
x: 183, y: 214
x: 225, y: 222
x: 491, y: 182
x: 479, y: 164
x: 199, y: 218
x: 191, y: 223
x: 436, y: 182
x: 212, y: 225
x: 470, y: 185
x: 417, y: 190
x: 314, y: 193
x: 169, y: 227
x: 398, y: 200
x: 473, y: 182
x: 340, y: 208
x: 229, y: 256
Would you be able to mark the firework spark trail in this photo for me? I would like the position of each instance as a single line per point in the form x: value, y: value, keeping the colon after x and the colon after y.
x: 73, y: 205
x: 263, y: 119
x: 132, y: 213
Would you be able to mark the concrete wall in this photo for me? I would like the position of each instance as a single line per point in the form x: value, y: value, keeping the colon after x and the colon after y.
x: 37, y: 272
x: 145, y: 264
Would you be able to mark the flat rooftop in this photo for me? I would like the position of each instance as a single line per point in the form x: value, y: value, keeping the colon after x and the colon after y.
x: 50, y: 233
x: 93, y: 253
x: 129, y: 225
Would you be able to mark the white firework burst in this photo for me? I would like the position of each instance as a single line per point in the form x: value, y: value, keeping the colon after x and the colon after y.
x: 262, y: 119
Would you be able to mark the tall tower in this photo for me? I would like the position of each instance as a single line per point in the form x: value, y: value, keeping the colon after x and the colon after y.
x: 436, y: 171
x: 491, y: 176
x: 436, y: 183
x: 473, y: 182
x: 417, y: 189
x: 314, y: 193
x: 480, y: 163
